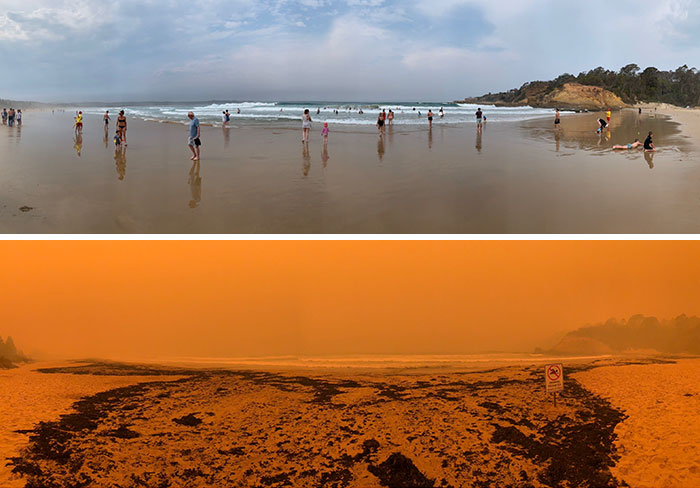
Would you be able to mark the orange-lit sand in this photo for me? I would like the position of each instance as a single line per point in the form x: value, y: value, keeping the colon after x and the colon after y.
x: 245, y: 429
x: 28, y: 397
x: 660, y: 441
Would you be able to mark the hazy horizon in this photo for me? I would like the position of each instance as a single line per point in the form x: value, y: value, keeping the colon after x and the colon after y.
x: 250, y: 298
x: 325, y: 49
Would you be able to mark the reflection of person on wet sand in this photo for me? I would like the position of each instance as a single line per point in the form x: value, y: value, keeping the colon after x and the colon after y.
x: 78, y: 143
x: 120, y: 161
x: 106, y: 138
x: 633, y: 145
x: 306, y: 156
x: 557, y: 137
x: 649, y: 156
x: 324, y: 155
x: 430, y: 138
x: 478, y: 141
x: 195, y: 182
x: 380, y: 148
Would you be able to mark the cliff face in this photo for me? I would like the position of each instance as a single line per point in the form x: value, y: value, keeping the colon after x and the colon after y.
x: 541, y: 94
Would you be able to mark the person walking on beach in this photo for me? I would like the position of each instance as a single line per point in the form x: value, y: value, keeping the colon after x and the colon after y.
x: 121, y: 126
x: 106, y: 119
x: 479, y: 115
x: 380, y: 123
x: 324, y: 132
x: 649, y: 144
x: 193, y: 140
x: 442, y: 113
x: 19, y: 117
x: 305, y: 126
x: 79, y: 123
x: 430, y: 118
x: 557, y: 120
x: 390, y: 117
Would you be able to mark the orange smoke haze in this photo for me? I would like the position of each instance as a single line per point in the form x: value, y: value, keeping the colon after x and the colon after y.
x: 129, y: 299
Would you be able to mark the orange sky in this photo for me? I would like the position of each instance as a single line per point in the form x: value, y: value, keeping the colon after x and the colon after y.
x: 236, y: 298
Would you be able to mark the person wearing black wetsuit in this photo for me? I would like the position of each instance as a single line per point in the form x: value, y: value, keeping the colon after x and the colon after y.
x: 649, y: 144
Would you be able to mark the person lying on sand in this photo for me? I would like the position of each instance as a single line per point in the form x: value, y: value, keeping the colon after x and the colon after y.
x: 649, y: 144
x: 634, y: 145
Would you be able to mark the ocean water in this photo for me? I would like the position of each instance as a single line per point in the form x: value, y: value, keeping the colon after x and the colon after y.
x: 289, y: 113
x: 471, y: 361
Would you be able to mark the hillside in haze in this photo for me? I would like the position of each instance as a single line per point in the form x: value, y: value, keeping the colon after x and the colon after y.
x: 9, y: 354
x: 680, y: 335
x: 629, y: 85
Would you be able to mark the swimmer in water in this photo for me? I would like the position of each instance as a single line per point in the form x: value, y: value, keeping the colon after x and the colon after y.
x: 633, y: 145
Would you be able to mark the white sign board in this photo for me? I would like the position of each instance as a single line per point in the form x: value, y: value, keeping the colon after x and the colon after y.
x: 554, y: 377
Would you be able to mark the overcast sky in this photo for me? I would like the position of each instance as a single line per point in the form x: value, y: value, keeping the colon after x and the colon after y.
x: 78, y: 50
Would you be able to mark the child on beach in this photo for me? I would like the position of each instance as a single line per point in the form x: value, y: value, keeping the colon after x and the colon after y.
x: 608, y: 114
x: 117, y: 139
x: 79, y: 123
x: 19, y: 117
x: 633, y: 145
x: 305, y: 126
x: 324, y: 133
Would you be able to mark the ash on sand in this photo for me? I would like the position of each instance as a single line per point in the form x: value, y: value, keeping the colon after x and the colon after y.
x: 252, y: 429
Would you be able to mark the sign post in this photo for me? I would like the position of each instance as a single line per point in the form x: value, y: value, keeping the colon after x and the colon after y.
x: 554, y: 379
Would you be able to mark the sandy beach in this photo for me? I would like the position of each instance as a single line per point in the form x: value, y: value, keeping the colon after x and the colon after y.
x: 493, y: 427
x: 515, y: 177
x: 30, y: 397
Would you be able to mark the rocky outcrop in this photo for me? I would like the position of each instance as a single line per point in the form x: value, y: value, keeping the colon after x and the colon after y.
x: 541, y: 94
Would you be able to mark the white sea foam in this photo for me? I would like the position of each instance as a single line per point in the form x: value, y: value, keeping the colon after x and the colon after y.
x: 348, y: 113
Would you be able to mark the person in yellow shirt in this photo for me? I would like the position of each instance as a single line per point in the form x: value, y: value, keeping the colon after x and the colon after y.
x: 608, y: 114
x: 79, y: 123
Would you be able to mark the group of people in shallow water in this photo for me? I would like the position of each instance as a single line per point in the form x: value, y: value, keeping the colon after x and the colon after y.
x: 604, y: 123
x: 12, y: 117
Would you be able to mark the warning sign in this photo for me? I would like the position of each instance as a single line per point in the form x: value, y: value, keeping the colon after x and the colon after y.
x: 554, y: 377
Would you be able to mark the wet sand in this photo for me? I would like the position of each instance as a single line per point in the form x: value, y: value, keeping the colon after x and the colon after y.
x: 484, y: 428
x: 658, y: 441
x: 29, y: 397
x: 513, y: 178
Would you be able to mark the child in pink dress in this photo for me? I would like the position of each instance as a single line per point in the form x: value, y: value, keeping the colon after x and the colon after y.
x: 324, y: 133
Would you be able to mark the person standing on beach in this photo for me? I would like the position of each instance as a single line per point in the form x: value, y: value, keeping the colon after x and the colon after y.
x: 11, y: 117
x: 479, y: 115
x: 608, y: 114
x: 324, y: 133
x: 4, y: 116
x: 121, y: 126
x: 442, y: 113
x: 305, y: 126
x: 193, y: 140
x: 380, y: 123
x: 557, y: 120
x: 391, y: 117
x: 430, y: 118
x: 224, y: 120
x: 79, y: 124
x: 19, y: 117
x: 106, y: 119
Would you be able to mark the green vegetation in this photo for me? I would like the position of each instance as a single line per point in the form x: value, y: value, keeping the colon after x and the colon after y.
x: 680, y: 87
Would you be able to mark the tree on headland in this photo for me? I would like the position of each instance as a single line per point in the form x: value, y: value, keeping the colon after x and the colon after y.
x: 632, y: 84
x: 9, y: 353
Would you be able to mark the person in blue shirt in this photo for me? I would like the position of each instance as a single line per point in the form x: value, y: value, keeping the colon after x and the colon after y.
x: 193, y: 140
